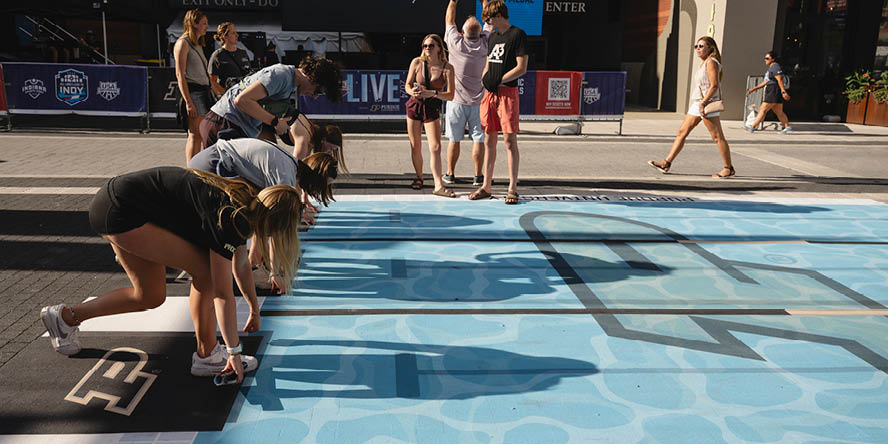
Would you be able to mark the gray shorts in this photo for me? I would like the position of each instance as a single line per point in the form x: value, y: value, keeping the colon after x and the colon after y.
x: 458, y: 116
x: 200, y: 96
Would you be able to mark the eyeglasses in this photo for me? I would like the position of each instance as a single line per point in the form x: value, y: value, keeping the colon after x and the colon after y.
x: 699, y: 46
x: 429, y: 46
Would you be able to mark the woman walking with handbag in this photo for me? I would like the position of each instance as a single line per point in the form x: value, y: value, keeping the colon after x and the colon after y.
x: 775, y: 85
x: 706, y: 106
x: 427, y: 78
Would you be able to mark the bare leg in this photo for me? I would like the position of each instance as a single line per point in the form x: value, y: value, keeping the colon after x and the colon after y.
x: 414, y: 133
x: 763, y: 112
x: 511, y: 140
x: 452, y: 157
x: 433, y: 135
x: 718, y: 136
x: 195, y: 142
x: 478, y: 157
x: 489, y: 160
x: 781, y: 116
x: 143, y: 252
x: 690, y: 122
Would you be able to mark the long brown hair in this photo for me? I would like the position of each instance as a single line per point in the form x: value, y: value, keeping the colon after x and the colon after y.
x: 273, y: 216
x: 192, y: 18
x: 315, y: 174
x: 442, y: 53
x: 331, y: 134
x: 715, y: 53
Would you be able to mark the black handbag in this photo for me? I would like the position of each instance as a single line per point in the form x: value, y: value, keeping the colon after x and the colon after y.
x: 433, y: 103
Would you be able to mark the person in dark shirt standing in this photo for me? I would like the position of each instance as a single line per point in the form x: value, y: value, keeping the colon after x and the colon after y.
x: 228, y: 64
x: 506, y: 63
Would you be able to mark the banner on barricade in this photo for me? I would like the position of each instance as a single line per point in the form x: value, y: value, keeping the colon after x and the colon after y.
x: 558, y: 92
x: 549, y: 95
x: 603, y: 95
x: 102, y: 90
x: 370, y: 94
x: 2, y: 93
x: 162, y: 92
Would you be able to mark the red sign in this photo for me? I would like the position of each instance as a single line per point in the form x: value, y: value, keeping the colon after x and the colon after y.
x: 558, y: 92
x: 2, y: 91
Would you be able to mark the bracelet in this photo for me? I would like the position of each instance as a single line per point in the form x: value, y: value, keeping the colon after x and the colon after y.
x: 234, y: 351
x: 274, y: 121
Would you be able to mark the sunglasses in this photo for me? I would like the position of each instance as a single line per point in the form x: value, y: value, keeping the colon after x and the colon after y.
x: 429, y: 46
x: 699, y: 46
x: 767, y: 58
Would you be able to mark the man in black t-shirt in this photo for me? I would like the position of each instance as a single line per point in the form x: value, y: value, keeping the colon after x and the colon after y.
x: 506, y: 63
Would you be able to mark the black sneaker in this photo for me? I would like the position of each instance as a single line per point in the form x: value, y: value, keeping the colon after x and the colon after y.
x: 448, y: 179
x: 479, y: 180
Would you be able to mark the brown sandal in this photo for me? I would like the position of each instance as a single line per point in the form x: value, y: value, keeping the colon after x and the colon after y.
x: 511, y: 198
x: 416, y: 184
x: 444, y: 192
x: 719, y: 175
x: 663, y: 166
x: 480, y: 193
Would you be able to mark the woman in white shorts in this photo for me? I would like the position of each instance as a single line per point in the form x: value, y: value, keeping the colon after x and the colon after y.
x: 707, y: 89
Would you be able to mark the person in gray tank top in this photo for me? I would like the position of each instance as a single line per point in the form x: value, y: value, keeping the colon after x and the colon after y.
x: 192, y: 77
x: 707, y: 89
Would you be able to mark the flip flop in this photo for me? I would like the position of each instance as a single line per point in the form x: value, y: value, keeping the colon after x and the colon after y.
x: 444, y: 192
x: 480, y: 193
x: 511, y: 198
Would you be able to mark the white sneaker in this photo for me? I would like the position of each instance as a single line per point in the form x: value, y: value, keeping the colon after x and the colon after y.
x: 215, y: 363
x: 786, y: 130
x: 748, y: 128
x: 62, y: 336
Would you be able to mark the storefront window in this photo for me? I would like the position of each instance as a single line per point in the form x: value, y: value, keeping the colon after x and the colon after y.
x: 881, y: 62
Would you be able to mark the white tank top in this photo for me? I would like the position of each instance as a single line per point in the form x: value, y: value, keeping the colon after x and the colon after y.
x: 701, y: 83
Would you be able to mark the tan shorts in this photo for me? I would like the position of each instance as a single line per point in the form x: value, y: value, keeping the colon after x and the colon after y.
x: 499, y: 112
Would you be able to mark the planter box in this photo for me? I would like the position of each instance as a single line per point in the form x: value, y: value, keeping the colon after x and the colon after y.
x: 876, y: 113
x: 857, y: 111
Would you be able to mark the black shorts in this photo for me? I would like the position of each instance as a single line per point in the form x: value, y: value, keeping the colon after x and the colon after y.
x: 772, y: 94
x: 106, y: 216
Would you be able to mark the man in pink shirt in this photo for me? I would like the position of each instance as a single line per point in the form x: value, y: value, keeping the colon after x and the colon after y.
x: 468, y: 55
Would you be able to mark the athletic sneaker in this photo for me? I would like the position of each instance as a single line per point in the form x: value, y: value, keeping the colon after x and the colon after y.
x: 215, y: 363
x: 62, y: 336
x: 786, y: 130
x: 748, y: 128
x: 449, y: 179
x: 478, y: 181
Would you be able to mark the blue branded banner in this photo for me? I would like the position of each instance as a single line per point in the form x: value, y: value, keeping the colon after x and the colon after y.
x: 38, y: 88
x: 525, y: 14
x: 603, y: 95
x: 368, y: 93
x: 375, y: 95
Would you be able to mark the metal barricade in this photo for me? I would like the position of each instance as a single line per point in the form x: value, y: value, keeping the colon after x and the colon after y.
x: 753, y: 101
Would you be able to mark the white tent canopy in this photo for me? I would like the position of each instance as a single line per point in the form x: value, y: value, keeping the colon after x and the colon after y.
x: 317, y: 42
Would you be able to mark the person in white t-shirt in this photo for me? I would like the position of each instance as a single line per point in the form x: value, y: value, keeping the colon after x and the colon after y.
x: 468, y: 54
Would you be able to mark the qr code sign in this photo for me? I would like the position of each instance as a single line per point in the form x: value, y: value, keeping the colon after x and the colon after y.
x: 559, y: 89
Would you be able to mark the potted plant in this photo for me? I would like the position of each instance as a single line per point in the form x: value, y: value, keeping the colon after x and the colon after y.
x: 877, y: 108
x: 857, y: 89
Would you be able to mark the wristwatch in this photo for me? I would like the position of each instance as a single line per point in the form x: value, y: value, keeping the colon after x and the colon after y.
x: 233, y: 351
x: 274, y: 121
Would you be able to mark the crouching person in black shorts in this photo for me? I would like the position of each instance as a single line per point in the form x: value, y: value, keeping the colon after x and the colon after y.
x: 194, y: 221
